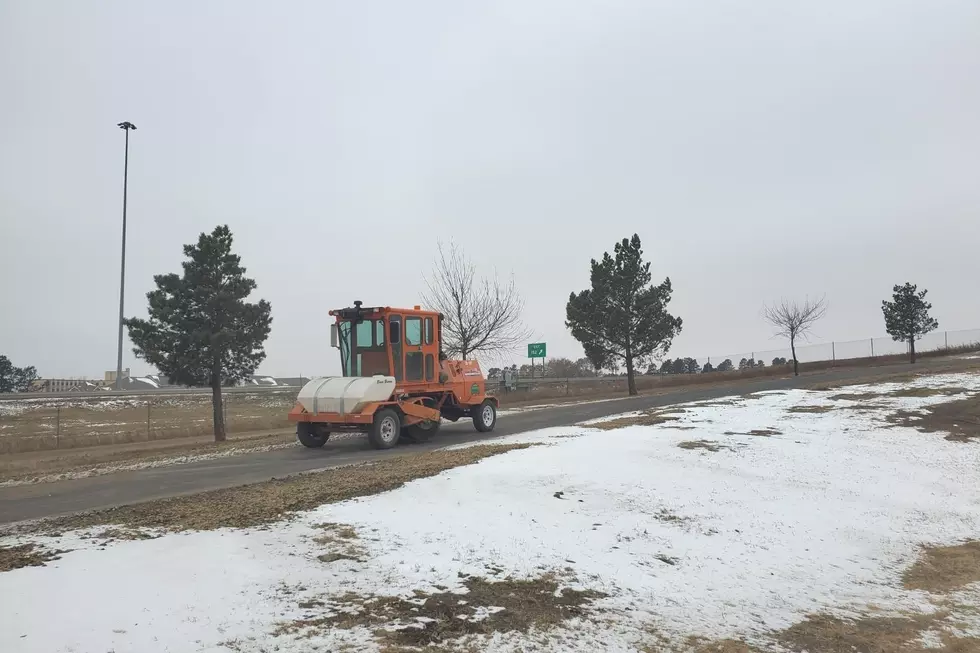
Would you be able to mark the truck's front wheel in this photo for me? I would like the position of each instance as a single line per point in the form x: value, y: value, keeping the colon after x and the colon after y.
x: 313, y: 436
x: 385, y: 429
x: 485, y: 416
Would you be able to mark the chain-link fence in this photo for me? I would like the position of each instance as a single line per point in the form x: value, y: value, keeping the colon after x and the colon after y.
x: 749, y: 363
x: 937, y: 342
x: 39, y: 424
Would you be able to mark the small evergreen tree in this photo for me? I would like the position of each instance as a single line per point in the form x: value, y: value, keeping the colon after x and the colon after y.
x: 726, y: 365
x: 907, y: 316
x: 622, y: 315
x: 201, y: 331
x: 708, y: 367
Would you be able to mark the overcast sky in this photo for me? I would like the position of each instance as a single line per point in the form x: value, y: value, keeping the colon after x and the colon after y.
x: 759, y: 148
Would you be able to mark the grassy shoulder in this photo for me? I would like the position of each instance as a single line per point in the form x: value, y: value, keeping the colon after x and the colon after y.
x: 275, y: 500
x: 53, y: 465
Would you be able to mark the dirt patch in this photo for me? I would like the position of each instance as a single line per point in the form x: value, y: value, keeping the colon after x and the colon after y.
x: 702, y: 645
x: 708, y: 445
x: 26, y: 555
x: 427, y: 619
x: 765, y: 433
x: 116, y: 534
x: 668, y: 517
x: 959, y: 420
x: 828, y: 634
x: 926, y: 392
x: 944, y: 568
x: 855, y: 396
x: 646, y: 418
x: 340, y: 540
x: 263, y: 503
x: 809, y: 409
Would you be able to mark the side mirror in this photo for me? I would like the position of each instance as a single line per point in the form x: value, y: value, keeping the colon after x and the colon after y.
x: 334, y: 336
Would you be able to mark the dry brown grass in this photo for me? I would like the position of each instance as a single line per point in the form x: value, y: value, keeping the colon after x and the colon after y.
x: 340, y: 541
x: 855, y: 396
x: 560, y: 390
x: 959, y: 420
x: 926, y: 392
x: 101, y: 421
x: 26, y: 555
x: 708, y: 445
x: 873, y: 634
x: 539, y: 603
x: 765, y: 433
x: 941, y: 569
x: 646, y: 418
x: 703, y: 645
x: 53, y: 465
x: 809, y: 409
x: 263, y: 503
x: 900, y: 392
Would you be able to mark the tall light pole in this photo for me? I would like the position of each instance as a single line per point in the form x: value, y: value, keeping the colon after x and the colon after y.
x: 125, y: 126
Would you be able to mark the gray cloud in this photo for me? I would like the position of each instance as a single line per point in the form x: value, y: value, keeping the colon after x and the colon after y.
x: 760, y: 149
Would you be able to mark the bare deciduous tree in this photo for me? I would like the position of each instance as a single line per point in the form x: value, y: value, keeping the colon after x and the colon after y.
x: 792, y: 320
x: 480, y: 315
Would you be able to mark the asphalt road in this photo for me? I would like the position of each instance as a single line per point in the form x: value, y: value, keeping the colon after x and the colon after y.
x: 64, y: 497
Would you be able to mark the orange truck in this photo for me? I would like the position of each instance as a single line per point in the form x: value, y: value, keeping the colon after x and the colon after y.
x: 396, y: 382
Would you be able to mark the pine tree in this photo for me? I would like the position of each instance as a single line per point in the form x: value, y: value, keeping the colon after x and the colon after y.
x: 907, y: 316
x: 622, y: 315
x: 15, y: 379
x: 201, y: 331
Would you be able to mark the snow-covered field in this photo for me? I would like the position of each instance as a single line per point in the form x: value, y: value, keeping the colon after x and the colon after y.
x: 736, y: 519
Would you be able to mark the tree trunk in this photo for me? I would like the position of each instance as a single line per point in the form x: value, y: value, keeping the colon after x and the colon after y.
x: 912, y: 348
x: 218, y: 409
x: 796, y: 363
x: 630, y: 379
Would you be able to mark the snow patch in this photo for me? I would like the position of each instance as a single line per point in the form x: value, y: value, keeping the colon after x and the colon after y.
x: 822, y: 515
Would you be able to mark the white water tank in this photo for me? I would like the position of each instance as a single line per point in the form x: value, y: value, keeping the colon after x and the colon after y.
x: 344, y: 394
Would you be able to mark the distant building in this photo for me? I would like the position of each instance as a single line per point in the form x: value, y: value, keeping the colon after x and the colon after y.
x: 66, y: 385
x: 110, y: 376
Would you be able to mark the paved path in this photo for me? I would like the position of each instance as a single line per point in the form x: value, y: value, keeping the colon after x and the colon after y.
x: 63, y: 497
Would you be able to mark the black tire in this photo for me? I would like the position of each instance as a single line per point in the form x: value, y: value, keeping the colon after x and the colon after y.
x: 484, y: 416
x: 313, y: 436
x: 386, y: 429
x: 423, y: 431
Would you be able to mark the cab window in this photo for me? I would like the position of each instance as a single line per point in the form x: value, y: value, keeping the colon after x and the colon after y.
x: 413, y: 330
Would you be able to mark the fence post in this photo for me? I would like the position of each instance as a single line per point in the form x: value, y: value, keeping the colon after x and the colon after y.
x: 833, y: 351
x: 148, y: 404
x: 872, y: 348
x: 946, y: 338
x: 57, y: 434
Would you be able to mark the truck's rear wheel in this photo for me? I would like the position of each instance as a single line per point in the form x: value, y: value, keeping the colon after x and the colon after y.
x: 385, y: 429
x: 485, y: 416
x: 313, y: 436
x: 423, y: 431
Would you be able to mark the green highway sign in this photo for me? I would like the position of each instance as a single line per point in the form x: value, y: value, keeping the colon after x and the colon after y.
x: 537, y: 350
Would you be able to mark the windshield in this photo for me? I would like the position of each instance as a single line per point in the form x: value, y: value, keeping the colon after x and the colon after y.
x: 366, y: 337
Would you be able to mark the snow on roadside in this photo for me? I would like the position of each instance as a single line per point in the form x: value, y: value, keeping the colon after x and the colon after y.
x: 822, y: 514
